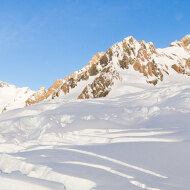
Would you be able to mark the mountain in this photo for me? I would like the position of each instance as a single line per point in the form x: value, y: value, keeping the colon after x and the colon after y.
x: 137, y: 137
x: 126, y: 62
x: 12, y: 97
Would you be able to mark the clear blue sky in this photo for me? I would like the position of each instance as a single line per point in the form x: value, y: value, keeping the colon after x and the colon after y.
x: 42, y: 40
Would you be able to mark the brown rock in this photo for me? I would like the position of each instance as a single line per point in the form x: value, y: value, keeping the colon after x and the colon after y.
x: 57, y: 84
x: 40, y: 95
x: 177, y: 68
x: 137, y: 65
x: 188, y: 63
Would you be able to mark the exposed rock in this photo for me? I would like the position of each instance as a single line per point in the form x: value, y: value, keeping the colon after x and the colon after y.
x: 98, y: 77
x: 186, y: 42
x: 188, y: 63
x: 53, y: 89
x: 68, y: 83
x: 36, y: 97
x: 177, y: 68
x: 93, y: 70
x: 124, y: 63
x: 96, y: 58
x: 137, y: 65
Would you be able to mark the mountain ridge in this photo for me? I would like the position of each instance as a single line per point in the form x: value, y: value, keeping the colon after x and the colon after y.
x: 136, y: 137
x: 98, y: 77
x: 12, y: 97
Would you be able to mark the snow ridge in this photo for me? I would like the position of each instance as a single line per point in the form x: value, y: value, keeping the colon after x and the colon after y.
x: 12, y: 97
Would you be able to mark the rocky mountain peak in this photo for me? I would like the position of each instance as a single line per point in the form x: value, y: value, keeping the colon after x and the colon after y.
x: 184, y: 42
x: 105, y: 69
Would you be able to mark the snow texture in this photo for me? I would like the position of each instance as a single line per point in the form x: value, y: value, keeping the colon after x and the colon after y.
x: 12, y: 97
x: 138, y: 137
x: 136, y: 140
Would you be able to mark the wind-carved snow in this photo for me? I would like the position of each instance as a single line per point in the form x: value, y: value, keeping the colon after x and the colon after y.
x: 88, y: 117
x: 9, y: 164
x: 12, y: 184
x: 117, y: 162
x: 138, y: 139
x: 66, y: 119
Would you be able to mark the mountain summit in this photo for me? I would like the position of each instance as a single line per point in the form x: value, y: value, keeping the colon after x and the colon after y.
x: 128, y: 61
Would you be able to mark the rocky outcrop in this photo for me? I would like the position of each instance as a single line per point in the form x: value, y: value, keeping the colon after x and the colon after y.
x: 36, y: 97
x: 99, y: 76
x: 184, y: 42
x: 68, y: 83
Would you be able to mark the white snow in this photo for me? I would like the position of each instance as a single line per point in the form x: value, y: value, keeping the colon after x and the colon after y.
x: 12, y: 97
x: 12, y: 184
x: 138, y: 138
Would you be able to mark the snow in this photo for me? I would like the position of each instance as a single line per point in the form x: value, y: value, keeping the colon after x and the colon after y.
x: 137, y: 138
x: 12, y: 97
x: 174, y: 51
x: 75, y: 92
x: 12, y: 184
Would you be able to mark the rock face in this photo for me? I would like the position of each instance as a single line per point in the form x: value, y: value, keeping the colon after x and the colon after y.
x: 184, y: 42
x: 105, y: 69
x: 37, y: 96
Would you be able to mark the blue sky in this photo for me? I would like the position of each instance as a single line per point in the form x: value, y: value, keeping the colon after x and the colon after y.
x: 42, y: 40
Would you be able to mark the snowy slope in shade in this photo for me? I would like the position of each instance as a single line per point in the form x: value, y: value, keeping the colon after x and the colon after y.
x: 135, y: 140
x: 12, y: 97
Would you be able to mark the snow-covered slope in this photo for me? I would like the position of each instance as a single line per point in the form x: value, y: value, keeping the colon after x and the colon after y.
x: 12, y: 97
x: 126, y: 62
x: 136, y: 140
x: 137, y: 137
